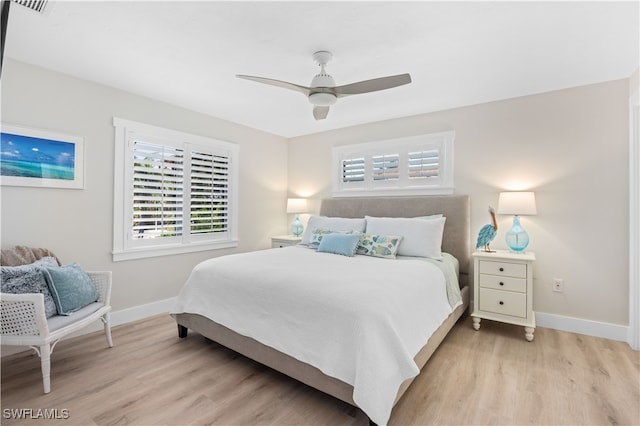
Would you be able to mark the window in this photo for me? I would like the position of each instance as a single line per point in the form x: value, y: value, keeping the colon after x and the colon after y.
x: 353, y: 170
x: 174, y: 192
x: 385, y: 167
x: 413, y: 165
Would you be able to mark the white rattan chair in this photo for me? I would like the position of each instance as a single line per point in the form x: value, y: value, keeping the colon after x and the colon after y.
x: 24, y: 322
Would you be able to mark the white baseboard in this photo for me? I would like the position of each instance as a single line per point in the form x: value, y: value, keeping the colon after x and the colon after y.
x: 583, y: 326
x: 142, y: 311
x: 557, y: 322
x: 120, y: 317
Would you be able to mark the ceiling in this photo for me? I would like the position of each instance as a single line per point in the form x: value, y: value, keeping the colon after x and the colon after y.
x: 458, y: 53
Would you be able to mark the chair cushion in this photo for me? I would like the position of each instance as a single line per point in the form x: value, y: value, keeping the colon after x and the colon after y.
x: 70, y: 287
x: 59, y: 321
x: 30, y: 279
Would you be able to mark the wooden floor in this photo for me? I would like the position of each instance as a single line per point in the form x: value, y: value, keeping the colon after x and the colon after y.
x: 491, y: 376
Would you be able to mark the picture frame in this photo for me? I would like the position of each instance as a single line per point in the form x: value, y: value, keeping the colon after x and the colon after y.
x: 40, y: 158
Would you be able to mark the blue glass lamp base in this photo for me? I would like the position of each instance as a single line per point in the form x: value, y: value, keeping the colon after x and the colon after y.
x: 296, y: 226
x: 517, y: 238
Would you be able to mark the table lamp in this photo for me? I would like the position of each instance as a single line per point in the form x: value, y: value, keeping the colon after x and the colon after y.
x: 296, y: 205
x: 517, y: 203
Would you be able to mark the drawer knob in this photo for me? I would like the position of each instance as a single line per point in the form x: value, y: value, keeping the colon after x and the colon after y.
x: 501, y: 283
x: 501, y: 269
x: 501, y: 302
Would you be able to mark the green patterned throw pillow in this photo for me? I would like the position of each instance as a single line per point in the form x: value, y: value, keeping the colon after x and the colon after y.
x: 385, y: 246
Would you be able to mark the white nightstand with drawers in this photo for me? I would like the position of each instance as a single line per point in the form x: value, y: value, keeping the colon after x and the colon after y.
x: 285, y: 241
x: 503, y: 289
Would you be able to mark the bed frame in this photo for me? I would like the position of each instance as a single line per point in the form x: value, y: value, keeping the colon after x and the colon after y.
x: 456, y: 240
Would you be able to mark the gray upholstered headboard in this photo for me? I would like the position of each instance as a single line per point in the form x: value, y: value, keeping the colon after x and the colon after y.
x: 455, y: 208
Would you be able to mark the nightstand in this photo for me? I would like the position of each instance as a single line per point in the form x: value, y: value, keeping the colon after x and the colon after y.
x: 503, y: 289
x: 285, y: 241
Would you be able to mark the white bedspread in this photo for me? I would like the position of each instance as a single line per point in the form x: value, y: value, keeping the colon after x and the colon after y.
x: 359, y: 319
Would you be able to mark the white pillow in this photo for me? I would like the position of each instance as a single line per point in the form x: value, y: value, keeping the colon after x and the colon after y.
x: 433, y: 216
x: 421, y: 238
x: 318, y: 234
x: 332, y: 224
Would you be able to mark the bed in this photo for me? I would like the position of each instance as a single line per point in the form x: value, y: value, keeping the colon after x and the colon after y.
x: 364, y: 364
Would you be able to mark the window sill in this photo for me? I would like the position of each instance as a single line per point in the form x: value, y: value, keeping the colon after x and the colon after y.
x: 392, y: 192
x: 146, y: 252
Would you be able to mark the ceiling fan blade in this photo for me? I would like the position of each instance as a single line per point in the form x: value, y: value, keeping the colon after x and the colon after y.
x: 283, y: 84
x: 373, y: 85
x: 320, y: 113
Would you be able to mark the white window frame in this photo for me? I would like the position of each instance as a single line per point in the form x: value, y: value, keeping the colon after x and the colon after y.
x: 124, y: 246
x: 401, y: 184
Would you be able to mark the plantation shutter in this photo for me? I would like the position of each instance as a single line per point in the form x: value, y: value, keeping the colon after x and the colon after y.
x: 209, y: 186
x: 385, y: 167
x: 158, y: 182
x: 353, y: 170
x: 421, y: 164
x: 424, y: 164
x: 165, y: 177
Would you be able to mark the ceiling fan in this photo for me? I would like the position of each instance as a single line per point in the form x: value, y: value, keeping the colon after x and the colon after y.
x: 323, y: 91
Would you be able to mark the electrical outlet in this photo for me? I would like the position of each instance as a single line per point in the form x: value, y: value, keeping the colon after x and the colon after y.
x: 558, y: 285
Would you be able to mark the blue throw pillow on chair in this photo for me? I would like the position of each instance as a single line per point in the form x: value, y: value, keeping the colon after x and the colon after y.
x: 70, y: 287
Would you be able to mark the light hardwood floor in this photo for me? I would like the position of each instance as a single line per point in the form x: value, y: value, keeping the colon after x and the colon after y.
x: 491, y: 376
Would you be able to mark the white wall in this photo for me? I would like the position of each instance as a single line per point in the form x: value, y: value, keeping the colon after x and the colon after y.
x: 569, y: 146
x: 78, y: 224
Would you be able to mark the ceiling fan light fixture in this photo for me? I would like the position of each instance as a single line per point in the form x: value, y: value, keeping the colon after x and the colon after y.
x: 322, y: 99
x: 323, y: 92
x: 323, y: 80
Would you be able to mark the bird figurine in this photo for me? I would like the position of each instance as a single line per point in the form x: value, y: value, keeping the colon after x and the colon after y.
x: 488, y: 232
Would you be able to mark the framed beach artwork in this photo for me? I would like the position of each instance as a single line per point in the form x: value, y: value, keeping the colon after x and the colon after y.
x: 40, y: 158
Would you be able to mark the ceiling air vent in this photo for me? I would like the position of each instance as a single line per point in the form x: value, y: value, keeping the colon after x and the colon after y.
x: 36, y: 5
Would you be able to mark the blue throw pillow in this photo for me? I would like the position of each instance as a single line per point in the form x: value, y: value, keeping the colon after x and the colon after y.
x: 344, y: 244
x: 318, y: 234
x: 70, y: 287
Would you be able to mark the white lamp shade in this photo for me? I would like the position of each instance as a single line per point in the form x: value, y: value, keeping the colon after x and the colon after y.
x: 296, y: 205
x: 517, y: 203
